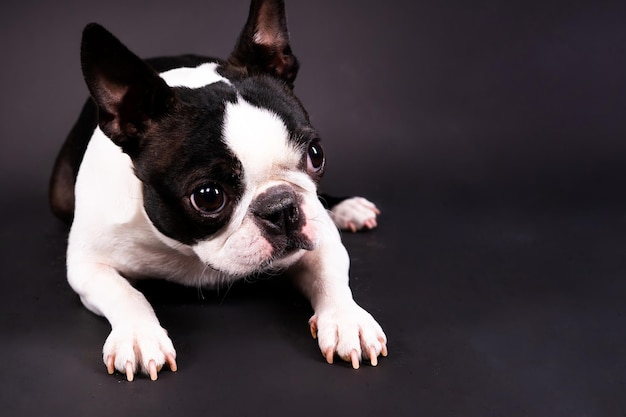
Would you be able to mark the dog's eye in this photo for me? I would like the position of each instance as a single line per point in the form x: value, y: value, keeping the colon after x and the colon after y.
x: 208, y: 199
x: 315, y: 157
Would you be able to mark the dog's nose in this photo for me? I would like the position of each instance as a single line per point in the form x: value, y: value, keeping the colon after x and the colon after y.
x: 277, y: 210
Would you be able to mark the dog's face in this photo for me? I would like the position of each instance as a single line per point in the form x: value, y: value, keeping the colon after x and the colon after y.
x: 233, y: 175
x: 228, y: 159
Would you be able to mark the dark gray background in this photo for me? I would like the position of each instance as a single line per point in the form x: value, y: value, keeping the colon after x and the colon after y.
x: 456, y: 94
x: 492, y: 135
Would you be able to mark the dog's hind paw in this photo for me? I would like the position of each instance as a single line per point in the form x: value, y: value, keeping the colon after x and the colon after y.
x: 354, y: 214
x: 140, y: 348
x: 351, y: 333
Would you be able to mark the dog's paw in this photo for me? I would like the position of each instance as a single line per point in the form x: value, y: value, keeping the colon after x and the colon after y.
x: 355, y: 214
x: 350, y: 333
x: 140, y: 348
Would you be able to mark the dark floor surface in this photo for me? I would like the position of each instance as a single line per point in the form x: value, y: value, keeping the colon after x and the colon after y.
x: 492, y: 136
x: 489, y: 312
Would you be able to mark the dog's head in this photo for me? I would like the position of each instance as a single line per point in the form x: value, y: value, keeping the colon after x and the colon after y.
x: 228, y: 159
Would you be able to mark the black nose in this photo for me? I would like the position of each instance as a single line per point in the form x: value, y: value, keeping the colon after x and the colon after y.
x: 277, y: 210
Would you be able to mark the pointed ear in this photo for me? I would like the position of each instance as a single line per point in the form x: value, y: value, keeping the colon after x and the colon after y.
x: 263, y: 46
x: 129, y: 93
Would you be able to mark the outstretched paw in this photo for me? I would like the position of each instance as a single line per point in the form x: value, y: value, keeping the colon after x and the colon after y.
x: 354, y: 214
x: 350, y: 333
x: 140, y: 348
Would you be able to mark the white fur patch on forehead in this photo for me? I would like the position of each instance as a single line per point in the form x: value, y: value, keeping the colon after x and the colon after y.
x: 197, y: 77
x: 260, y: 140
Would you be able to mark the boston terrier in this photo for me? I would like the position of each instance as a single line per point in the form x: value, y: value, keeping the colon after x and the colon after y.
x: 202, y: 171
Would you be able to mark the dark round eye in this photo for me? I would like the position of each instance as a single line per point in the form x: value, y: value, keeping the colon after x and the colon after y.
x: 315, y: 157
x: 208, y: 199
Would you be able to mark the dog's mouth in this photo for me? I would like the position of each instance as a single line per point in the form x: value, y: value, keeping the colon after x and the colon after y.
x: 294, y: 242
x: 282, y: 258
x: 283, y: 249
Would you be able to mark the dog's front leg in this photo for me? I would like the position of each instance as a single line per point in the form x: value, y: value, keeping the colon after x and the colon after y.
x: 137, y: 340
x: 340, y: 325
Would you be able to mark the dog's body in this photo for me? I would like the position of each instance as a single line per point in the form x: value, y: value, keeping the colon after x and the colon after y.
x: 202, y: 171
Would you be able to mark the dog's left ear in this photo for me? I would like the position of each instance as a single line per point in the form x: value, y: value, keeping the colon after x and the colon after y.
x: 263, y: 46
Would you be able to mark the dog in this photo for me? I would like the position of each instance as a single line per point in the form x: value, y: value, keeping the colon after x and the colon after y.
x: 202, y: 171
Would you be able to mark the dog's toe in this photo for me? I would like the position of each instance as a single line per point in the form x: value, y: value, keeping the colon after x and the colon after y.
x: 355, y: 214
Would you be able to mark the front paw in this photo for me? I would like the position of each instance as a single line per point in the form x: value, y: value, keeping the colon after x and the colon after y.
x: 351, y: 333
x: 355, y: 214
x: 139, y: 347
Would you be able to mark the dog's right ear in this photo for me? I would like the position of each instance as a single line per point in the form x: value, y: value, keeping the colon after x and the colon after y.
x: 263, y: 45
x: 128, y: 92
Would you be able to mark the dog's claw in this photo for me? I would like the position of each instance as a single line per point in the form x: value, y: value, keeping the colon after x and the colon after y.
x: 111, y: 365
x: 130, y: 374
x: 171, y: 361
x: 330, y: 355
x: 313, y: 327
x: 371, y: 223
x: 152, y: 370
x: 354, y: 358
x: 383, y: 350
x: 352, y: 227
x: 373, y: 356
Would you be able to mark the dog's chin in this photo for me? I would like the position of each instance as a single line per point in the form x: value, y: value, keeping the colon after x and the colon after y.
x: 273, y: 264
x: 258, y: 257
x: 280, y: 263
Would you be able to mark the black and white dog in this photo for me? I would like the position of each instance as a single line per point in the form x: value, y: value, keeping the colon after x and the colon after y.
x: 202, y: 171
